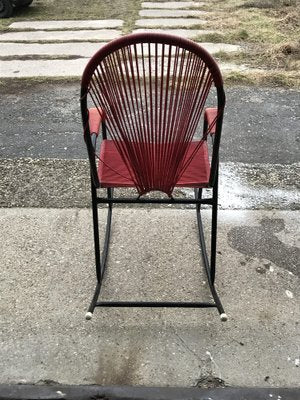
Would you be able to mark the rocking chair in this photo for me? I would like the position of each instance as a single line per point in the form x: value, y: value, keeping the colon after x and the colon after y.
x: 148, y: 92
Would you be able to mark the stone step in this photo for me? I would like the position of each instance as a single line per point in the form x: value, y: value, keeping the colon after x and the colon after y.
x: 67, y: 24
x: 231, y: 67
x: 63, y: 68
x: 80, y: 49
x: 163, y: 13
x: 186, y: 33
x: 169, y: 22
x: 84, y: 49
x: 214, y: 48
x: 42, y: 68
x: 52, y: 36
x: 173, y: 5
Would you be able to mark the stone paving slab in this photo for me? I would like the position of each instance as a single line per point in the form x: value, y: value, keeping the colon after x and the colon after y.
x: 186, y: 33
x: 67, y: 24
x: 217, y: 47
x: 173, y: 5
x: 212, y: 48
x: 52, y: 36
x: 80, y: 49
x: 169, y: 22
x: 36, y: 68
x: 47, y: 280
x: 171, y: 13
x: 230, y: 67
x: 86, y: 49
x: 61, y: 67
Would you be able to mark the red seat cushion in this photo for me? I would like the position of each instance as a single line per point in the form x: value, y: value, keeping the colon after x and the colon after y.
x: 113, y: 172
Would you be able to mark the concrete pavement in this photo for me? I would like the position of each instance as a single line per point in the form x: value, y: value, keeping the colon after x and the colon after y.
x: 47, y: 264
x: 47, y: 275
x: 48, y: 280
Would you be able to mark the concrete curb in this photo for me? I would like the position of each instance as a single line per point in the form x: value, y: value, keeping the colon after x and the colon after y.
x: 47, y: 392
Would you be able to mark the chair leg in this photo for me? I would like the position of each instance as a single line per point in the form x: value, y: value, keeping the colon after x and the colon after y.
x: 198, y: 195
x: 210, y: 269
x: 214, y: 224
x: 110, y: 192
x: 101, y: 261
x: 96, y: 233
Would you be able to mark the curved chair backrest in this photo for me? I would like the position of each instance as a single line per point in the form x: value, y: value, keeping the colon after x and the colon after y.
x: 152, y: 88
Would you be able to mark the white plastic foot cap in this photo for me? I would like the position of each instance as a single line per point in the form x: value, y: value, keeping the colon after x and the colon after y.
x: 88, y: 315
x: 223, y: 317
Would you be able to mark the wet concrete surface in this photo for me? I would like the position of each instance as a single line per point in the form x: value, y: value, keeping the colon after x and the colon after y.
x: 262, y: 241
x: 59, y: 183
x: 42, y: 120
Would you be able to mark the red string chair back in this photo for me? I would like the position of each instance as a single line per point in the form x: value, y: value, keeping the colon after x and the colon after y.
x: 152, y: 90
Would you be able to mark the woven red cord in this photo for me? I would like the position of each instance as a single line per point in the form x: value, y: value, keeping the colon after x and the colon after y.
x: 153, y: 97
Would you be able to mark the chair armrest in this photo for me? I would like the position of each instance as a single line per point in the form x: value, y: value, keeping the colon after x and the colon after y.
x: 210, y: 116
x: 96, y: 116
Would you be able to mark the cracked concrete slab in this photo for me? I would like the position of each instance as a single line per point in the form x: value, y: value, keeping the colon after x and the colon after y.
x: 173, y: 5
x: 48, y: 280
x: 67, y: 24
x: 53, y: 36
x: 162, y: 13
x: 169, y: 22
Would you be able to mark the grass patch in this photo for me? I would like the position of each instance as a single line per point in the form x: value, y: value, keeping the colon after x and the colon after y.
x: 268, y: 4
x: 214, y: 37
x: 233, y: 78
x: 13, y: 85
x: 268, y: 31
x: 263, y: 78
x: 77, y: 10
x: 281, y: 58
x: 30, y: 57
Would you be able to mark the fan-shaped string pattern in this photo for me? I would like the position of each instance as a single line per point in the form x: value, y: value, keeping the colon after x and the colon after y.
x: 153, y: 96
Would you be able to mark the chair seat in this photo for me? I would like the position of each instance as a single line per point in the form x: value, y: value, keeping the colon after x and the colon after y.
x: 113, y: 172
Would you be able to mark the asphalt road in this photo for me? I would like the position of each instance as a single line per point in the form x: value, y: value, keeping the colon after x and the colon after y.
x: 42, y: 120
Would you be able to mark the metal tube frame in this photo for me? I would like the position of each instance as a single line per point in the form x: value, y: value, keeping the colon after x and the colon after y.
x: 209, y: 266
x: 101, y: 258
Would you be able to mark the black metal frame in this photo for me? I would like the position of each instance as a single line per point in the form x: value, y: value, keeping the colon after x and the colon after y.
x: 101, y: 259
